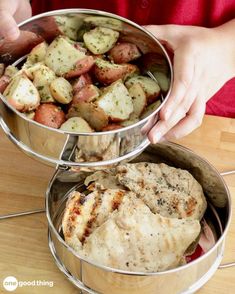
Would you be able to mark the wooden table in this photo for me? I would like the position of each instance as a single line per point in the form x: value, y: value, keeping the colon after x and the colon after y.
x: 24, y: 251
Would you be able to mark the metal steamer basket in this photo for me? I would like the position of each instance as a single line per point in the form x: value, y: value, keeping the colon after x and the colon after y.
x: 95, y: 278
x: 55, y: 146
x: 103, y: 150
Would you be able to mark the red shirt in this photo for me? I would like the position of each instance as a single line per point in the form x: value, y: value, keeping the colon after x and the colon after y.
x: 208, y: 13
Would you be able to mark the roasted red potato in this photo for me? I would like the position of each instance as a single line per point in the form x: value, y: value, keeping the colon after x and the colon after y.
x: 100, y: 40
x: 139, y: 99
x: 92, y: 113
x: 150, y: 87
x: 4, y: 82
x: 50, y: 115
x: 116, y: 102
x: 76, y: 124
x: 124, y: 53
x: 111, y: 127
x: 107, y: 72
x: 22, y: 94
x: 86, y: 70
x: 87, y: 94
x: 81, y: 82
x: 2, y: 68
x: 80, y: 47
x: 81, y: 67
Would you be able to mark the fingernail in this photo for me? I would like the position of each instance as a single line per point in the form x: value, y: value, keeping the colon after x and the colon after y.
x: 157, y: 137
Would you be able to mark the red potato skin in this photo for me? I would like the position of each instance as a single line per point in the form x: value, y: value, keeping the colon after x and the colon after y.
x: 80, y: 48
x: 81, y: 67
x: 107, y: 75
x: 2, y: 69
x: 81, y: 82
x: 23, y: 108
x: 4, y: 82
x: 86, y: 94
x: 49, y: 115
x: 153, y: 98
x: 111, y: 127
x: 124, y: 53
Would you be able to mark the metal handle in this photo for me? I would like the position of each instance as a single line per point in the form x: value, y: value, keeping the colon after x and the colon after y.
x: 227, y: 173
x: 227, y: 265
x: 11, y: 215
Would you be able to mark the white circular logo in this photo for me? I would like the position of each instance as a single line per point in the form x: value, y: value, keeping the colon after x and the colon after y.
x: 10, y: 283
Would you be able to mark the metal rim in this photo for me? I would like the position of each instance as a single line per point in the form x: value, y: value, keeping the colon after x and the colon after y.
x: 91, y: 164
x: 100, y: 13
x: 109, y: 269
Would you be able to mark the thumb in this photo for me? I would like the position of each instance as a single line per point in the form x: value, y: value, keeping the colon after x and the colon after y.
x: 8, y: 26
x: 167, y: 34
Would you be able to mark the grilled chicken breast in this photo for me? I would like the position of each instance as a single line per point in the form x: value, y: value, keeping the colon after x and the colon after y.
x: 135, y: 239
x: 137, y: 217
x: 85, y: 213
x: 169, y: 191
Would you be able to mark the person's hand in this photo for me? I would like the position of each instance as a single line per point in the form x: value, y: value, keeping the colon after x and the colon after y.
x: 204, y: 59
x: 12, y: 12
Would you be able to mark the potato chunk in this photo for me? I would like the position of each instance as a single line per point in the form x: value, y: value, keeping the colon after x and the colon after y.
x: 2, y: 69
x: 88, y: 93
x: 81, y: 82
x: 43, y: 77
x: 4, y: 82
x: 62, y: 56
x: 138, y: 98
x: 37, y: 54
x: 151, y: 88
x: 10, y: 71
x: 150, y: 109
x: 124, y: 52
x: 116, y: 102
x: 69, y: 25
x: 30, y: 69
x: 163, y: 80
x: 81, y: 67
x: 49, y: 115
x: 76, y: 124
x: 92, y: 113
x: 22, y: 94
x: 107, y: 72
x: 100, y: 40
x: 61, y: 90
x: 106, y: 22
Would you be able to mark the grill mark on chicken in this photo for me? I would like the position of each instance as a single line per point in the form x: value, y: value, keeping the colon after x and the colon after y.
x: 74, y: 210
x: 93, y: 216
x: 91, y: 224
x: 117, y: 199
x: 191, y: 204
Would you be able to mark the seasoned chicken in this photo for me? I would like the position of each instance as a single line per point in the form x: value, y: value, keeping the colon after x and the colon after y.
x: 135, y: 239
x: 106, y: 179
x: 169, y: 191
x: 84, y: 213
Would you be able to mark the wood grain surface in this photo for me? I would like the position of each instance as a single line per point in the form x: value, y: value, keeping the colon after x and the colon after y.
x: 24, y: 251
